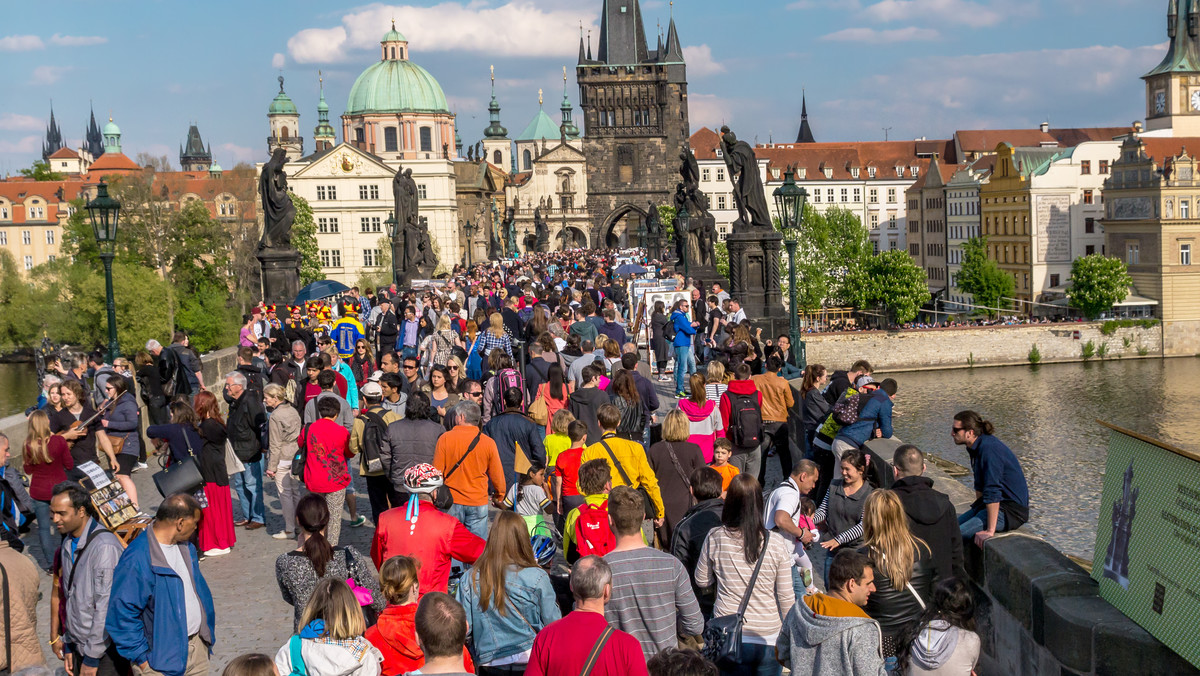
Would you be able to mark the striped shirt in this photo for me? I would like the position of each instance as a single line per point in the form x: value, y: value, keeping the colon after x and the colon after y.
x: 651, y: 589
x: 723, y: 562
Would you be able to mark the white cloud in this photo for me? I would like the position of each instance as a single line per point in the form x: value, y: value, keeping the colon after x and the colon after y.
x: 709, y: 110
x: 20, y: 43
x: 17, y: 122
x: 517, y: 28
x: 964, y: 12
x: 239, y: 153
x: 27, y: 144
x: 872, y: 36
x: 77, y: 40
x: 278, y: 60
x: 700, y: 61
x: 48, y: 74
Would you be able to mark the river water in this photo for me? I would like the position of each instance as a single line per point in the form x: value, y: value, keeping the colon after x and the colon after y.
x: 1047, y: 415
x: 18, y: 388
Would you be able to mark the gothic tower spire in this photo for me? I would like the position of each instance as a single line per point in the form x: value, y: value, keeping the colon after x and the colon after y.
x: 54, y: 140
x: 622, y: 33
x: 805, y: 135
x: 494, y: 129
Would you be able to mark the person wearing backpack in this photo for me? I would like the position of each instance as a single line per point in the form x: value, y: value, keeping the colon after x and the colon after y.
x: 505, y: 377
x: 827, y: 431
x: 874, y: 419
x: 367, y: 441
x: 586, y: 530
x: 741, y: 413
x: 513, y: 428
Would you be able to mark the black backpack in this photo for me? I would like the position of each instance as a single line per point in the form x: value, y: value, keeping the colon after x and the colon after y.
x: 374, y: 432
x: 745, y: 421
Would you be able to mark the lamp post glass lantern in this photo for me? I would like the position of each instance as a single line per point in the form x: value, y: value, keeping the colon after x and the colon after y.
x: 105, y: 213
x: 789, y: 202
x: 393, y: 229
x: 681, y: 233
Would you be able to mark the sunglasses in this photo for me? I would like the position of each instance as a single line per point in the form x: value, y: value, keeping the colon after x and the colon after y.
x: 955, y: 430
x: 453, y: 368
x: 474, y: 394
x: 409, y: 368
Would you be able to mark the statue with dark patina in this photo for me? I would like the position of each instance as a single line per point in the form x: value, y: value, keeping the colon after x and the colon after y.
x: 278, y: 211
x: 509, y: 227
x: 541, y: 232
x: 495, y: 244
x: 748, y: 194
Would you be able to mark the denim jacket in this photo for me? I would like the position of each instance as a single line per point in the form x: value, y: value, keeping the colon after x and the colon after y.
x: 531, y: 606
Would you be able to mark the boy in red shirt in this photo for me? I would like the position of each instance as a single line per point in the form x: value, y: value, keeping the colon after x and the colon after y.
x: 566, y: 470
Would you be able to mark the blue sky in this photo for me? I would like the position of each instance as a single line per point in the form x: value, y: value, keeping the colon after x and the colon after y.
x: 920, y: 67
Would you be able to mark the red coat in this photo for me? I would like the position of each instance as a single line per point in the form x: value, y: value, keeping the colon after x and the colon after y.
x: 44, y: 477
x: 395, y: 635
x: 745, y: 387
x: 436, y: 538
x: 328, y: 444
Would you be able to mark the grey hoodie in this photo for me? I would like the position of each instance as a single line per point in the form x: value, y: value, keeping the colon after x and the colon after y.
x: 825, y: 636
x: 943, y: 649
x: 87, y: 596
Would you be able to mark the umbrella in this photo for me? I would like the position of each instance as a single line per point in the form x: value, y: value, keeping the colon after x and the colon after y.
x: 323, y: 288
x: 631, y: 269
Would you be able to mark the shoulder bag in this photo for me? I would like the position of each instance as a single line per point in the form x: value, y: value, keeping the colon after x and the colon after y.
x: 297, y: 659
x: 723, y: 635
x: 651, y: 509
x: 233, y: 464
x: 181, y: 476
x: 474, y: 443
x: 594, y: 656
x: 682, y: 475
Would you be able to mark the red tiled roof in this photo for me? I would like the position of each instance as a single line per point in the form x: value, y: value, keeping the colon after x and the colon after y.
x: 986, y: 140
x: 704, y: 143
x: 17, y: 192
x: 111, y: 163
x: 1162, y: 149
x: 64, y: 153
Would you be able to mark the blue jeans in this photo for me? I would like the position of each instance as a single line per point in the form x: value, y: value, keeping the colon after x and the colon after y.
x: 46, y: 531
x: 974, y: 520
x: 685, y: 365
x: 474, y: 517
x: 408, y: 351
x: 757, y: 660
x: 247, y: 487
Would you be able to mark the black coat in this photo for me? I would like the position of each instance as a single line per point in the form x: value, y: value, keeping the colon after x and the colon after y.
x: 932, y: 518
x: 894, y: 609
x: 244, y: 425
x: 688, y: 538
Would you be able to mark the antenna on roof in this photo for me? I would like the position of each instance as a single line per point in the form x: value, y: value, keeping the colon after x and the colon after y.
x: 885, y: 132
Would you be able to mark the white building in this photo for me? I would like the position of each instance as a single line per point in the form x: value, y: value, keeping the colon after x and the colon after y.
x: 962, y: 223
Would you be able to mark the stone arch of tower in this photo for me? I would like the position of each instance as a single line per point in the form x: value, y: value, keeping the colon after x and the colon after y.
x: 619, y: 228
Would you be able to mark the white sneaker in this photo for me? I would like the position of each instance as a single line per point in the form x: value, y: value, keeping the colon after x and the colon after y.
x: 281, y: 535
x: 216, y: 552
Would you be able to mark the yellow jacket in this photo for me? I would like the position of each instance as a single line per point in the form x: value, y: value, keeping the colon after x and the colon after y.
x: 633, y: 460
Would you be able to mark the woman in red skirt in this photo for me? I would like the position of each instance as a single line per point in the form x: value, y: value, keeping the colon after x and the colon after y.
x: 216, y: 522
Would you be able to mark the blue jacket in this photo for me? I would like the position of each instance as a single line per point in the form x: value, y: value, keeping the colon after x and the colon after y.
x: 511, y: 428
x: 123, y: 422
x: 531, y: 606
x: 146, y: 617
x: 683, y: 329
x: 877, y: 413
x: 998, y: 475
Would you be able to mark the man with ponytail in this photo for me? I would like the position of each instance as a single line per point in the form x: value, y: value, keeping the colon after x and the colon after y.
x: 1001, y: 494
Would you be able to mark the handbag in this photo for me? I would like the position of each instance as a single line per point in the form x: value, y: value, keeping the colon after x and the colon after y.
x: 301, y: 456
x: 651, y: 508
x: 233, y: 464
x: 723, y: 635
x: 361, y: 594
x: 182, y: 476
x: 539, y: 410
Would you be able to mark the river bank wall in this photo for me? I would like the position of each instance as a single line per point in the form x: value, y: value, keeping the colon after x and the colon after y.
x: 963, y: 347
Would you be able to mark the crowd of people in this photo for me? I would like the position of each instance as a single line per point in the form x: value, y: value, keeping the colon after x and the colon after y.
x: 538, y: 506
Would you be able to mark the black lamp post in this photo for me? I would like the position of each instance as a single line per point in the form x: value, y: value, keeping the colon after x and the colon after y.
x: 393, y: 228
x: 104, y: 212
x: 681, y: 232
x: 789, y: 202
x: 469, y: 228
x: 641, y: 235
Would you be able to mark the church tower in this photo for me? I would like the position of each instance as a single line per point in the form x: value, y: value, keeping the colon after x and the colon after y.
x: 635, y: 121
x: 54, y: 140
x: 93, y: 140
x: 805, y: 135
x: 285, y: 126
x: 1173, y: 87
x: 497, y: 148
x: 193, y: 155
x: 324, y: 135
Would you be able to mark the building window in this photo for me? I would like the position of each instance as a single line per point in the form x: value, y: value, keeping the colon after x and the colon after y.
x: 1131, y: 253
x: 858, y: 194
x: 320, y: 192
x: 845, y: 194
x: 914, y: 250
x: 704, y: 175
x: 29, y: 262
x: 327, y: 224
x: 421, y: 191
x: 389, y: 140
x: 331, y: 258
x: 362, y: 192
x: 1085, y: 167
x: 891, y: 195
x: 49, y: 237
x: 1088, y: 197
x: 1185, y: 254
x: 526, y: 161
x: 1089, y: 225
x: 816, y: 195
x: 1089, y: 250
x: 26, y: 237
x: 829, y: 195
x: 371, y: 258
x: 891, y: 245
x: 873, y: 196
x: 1054, y: 280
x: 4, y: 213
x: 891, y: 221
x: 51, y: 258
x: 1183, y: 208
x: 426, y: 139
x: 3, y: 238
x: 720, y: 174
x: 370, y: 224
x: 874, y: 221
x: 720, y: 201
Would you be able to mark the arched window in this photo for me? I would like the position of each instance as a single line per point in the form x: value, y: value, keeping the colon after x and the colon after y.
x: 497, y: 159
x: 526, y: 161
x: 426, y: 139
x: 283, y: 133
x: 389, y: 140
x: 393, y: 53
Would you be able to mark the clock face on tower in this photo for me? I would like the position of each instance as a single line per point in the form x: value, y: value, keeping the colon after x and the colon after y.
x: 1160, y: 103
x: 1196, y: 99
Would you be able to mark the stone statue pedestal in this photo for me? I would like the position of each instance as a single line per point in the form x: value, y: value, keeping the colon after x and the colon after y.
x: 419, y: 272
x: 280, y: 275
x: 754, y: 260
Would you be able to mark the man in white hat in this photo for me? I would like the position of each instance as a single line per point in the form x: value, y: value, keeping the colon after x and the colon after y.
x: 369, y: 449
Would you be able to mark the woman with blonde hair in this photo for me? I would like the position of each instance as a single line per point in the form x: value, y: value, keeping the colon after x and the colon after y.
x: 395, y: 635
x: 903, y: 566
x: 715, y: 379
x: 673, y: 460
x: 440, y: 343
x: 508, y: 598
x: 495, y: 337
x: 47, y: 459
x: 330, y: 641
x: 703, y: 415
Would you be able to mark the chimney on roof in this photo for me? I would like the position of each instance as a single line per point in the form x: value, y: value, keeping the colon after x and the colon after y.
x: 1045, y: 127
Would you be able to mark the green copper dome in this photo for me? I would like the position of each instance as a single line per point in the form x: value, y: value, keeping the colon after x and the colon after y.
x: 396, y: 86
x: 111, y: 128
x: 393, y: 35
x: 282, y: 105
x: 541, y: 127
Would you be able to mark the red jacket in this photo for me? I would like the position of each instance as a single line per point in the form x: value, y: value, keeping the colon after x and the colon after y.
x: 395, y: 635
x: 434, y: 539
x: 738, y: 387
x: 328, y: 445
x: 44, y: 477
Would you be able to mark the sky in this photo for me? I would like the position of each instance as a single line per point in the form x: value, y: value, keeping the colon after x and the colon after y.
x: 915, y: 68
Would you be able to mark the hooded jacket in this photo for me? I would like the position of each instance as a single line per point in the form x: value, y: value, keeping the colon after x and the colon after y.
x: 942, y: 649
x: 327, y: 657
x: 583, y: 404
x: 743, y: 387
x: 826, y: 636
x: 92, y: 565
x: 932, y: 518
x: 395, y: 636
x: 688, y: 539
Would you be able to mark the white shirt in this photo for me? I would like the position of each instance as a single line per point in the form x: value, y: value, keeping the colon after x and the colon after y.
x: 785, y: 498
x: 739, y: 316
x: 191, y: 602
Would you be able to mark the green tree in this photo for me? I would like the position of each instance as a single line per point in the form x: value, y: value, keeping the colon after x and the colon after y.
x: 1097, y: 283
x: 381, y: 275
x: 666, y: 216
x: 831, y: 248
x: 40, y: 171
x: 304, y: 238
x: 892, y: 281
x: 983, y: 278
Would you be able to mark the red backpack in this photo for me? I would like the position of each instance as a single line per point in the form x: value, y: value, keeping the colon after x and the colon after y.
x: 592, y: 532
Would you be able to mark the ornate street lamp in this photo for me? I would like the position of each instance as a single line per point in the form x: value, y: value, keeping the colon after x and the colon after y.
x: 789, y: 202
x: 105, y: 212
x: 469, y: 228
x: 393, y: 228
x: 681, y: 231
x: 641, y: 235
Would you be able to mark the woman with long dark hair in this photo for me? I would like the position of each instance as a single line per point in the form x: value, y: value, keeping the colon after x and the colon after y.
x: 556, y: 390
x: 815, y: 407
x: 216, y: 532
x: 508, y: 598
x: 943, y: 641
x: 627, y: 400
x: 728, y: 559
x: 362, y: 362
x: 314, y: 559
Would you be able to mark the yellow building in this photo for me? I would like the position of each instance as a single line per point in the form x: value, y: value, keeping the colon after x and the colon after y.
x: 1005, y: 211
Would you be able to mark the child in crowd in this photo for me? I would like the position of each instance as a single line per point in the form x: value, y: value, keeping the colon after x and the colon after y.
x: 528, y: 496
x: 559, y: 440
x: 805, y: 522
x: 566, y: 468
x: 587, y: 530
x: 722, y: 452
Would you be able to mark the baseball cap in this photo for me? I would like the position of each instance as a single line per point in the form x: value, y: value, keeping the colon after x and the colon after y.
x: 864, y: 381
x: 374, y: 377
x: 372, y: 389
